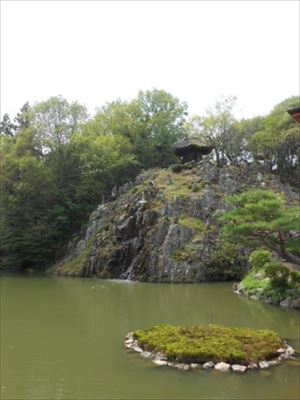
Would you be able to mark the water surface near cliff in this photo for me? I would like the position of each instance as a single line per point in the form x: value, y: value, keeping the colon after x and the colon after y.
x: 62, y: 338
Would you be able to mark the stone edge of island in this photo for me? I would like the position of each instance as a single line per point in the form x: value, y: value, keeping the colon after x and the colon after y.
x: 160, y: 359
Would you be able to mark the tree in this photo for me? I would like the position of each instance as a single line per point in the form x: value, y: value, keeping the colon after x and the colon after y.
x: 104, y: 161
x: 24, y: 117
x: 161, y: 120
x: 260, y: 217
x: 215, y: 128
x: 53, y: 173
x: 276, y: 143
x: 7, y: 128
x: 55, y: 121
x: 152, y: 123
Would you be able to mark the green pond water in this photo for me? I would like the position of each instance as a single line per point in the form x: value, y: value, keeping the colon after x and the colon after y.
x: 62, y: 338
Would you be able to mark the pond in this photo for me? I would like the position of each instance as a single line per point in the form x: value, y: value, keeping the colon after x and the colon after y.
x: 62, y: 338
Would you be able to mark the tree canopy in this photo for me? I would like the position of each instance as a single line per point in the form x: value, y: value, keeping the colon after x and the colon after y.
x: 260, y: 218
x: 58, y: 163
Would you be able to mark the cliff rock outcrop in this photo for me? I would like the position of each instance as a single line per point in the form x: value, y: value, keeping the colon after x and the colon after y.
x: 164, y: 227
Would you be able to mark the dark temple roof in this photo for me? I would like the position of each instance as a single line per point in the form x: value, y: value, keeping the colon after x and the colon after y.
x: 295, y: 113
x: 191, y: 145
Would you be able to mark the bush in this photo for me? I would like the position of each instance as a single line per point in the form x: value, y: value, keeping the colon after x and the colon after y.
x: 260, y: 259
x: 176, y: 167
x: 224, y: 262
x: 278, y: 274
x: 295, y: 277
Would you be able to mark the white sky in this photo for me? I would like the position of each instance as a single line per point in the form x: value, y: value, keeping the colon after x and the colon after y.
x: 95, y: 52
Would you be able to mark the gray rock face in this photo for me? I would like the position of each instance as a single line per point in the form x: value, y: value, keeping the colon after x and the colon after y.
x: 161, y: 228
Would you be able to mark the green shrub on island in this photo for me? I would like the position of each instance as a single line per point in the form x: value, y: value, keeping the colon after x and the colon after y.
x: 271, y: 280
x: 259, y: 259
x: 200, y: 344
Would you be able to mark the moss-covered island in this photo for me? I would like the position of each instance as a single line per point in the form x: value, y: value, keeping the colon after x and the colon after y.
x: 210, y: 346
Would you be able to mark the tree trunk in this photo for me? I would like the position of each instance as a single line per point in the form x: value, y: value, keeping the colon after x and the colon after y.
x: 294, y: 259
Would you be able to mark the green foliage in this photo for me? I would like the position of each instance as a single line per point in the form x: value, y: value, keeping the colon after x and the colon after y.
x: 188, y: 254
x: 260, y: 259
x: 193, y: 223
x: 176, y: 167
x: 278, y: 274
x: 210, y: 343
x: 273, y: 140
x: 6, y: 126
x: 56, y: 165
x: 152, y: 123
x: 277, y: 141
x: 270, y: 279
x: 215, y: 128
x: 259, y: 217
x: 224, y: 261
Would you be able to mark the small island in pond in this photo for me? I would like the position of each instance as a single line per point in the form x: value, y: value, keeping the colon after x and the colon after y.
x: 210, y: 346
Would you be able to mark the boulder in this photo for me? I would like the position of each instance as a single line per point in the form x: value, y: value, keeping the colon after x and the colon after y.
x: 285, y: 303
x: 252, y: 365
x: 273, y: 363
x: 264, y: 365
x: 160, y: 356
x: 208, y: 365
x: 159, y: 363
x: 137, y: 349
x: 222, y: 366
x: 238, y: 368
x: 289, y: 351
x: 182, y: 367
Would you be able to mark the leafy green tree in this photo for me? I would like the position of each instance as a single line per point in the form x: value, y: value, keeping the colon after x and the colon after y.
x: 6, y: 126
x: 24, y: 117
x: 215, y: 128
x: 26, y: 188
x: 53, y: 173
x: 276, y: 143
x: 104, y: 161
x: 55, y: 121
x: 152, y: 123
x: 161, y: 124
x: 260, y: 218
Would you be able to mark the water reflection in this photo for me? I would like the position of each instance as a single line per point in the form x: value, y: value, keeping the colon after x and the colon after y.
x: 63, y: 339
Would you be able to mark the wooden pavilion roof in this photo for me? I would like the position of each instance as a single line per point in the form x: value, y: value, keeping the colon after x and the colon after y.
x: 295, y: 113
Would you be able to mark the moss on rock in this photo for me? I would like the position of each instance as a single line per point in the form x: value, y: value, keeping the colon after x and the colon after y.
x: 75, y: 266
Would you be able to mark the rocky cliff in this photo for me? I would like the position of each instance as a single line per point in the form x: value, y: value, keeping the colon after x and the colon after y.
x: 164, y: 227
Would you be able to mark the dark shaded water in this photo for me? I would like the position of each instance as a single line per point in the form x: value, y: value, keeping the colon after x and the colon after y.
x: 62, y: 338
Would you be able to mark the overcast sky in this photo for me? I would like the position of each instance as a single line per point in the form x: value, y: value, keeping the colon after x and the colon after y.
x: 95, y: 52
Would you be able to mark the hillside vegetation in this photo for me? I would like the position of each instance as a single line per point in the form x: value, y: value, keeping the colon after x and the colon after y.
x: 58, y: 164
